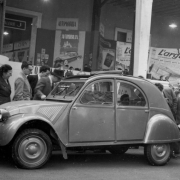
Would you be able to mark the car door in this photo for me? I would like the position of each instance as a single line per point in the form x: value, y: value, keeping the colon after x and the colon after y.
x: 92, y: 116
x: 132, y: 111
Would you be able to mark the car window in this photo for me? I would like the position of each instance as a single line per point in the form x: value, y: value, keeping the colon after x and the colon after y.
x: 100, y: 92
x: 129, y: 95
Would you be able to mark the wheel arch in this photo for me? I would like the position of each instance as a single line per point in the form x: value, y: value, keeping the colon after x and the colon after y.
x: 15, y: 127
x: 161, y: 129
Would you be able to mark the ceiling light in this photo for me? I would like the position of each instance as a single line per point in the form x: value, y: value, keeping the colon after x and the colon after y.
x: 5, y: 33
x: 173, y: 25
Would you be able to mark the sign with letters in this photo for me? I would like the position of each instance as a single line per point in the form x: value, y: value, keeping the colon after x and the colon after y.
x: 15, y: 24
x: 21, y: 45
x: 67, y: 24
x: 7, y: 47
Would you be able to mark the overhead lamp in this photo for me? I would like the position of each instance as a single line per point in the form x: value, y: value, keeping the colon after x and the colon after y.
x: 173, y: 25
x: 5, y: 33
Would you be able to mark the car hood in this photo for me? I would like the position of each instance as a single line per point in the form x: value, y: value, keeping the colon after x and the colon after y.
x: 32, y: 107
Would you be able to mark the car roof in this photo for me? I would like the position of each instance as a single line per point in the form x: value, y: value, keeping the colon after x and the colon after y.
x: 165, y: 84
x: 104, y: 74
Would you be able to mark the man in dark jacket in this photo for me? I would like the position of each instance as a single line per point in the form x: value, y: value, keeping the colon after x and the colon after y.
x: 171, y: 99
x: 33, y: 79
x: 45, y: 84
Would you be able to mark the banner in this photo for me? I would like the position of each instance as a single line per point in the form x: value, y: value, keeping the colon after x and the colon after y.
x: 164, y: 63
x: 123, y: 55
x: 107, y: 54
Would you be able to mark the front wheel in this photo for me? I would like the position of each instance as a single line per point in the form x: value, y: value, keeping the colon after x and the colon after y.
x: 31, y: 149
x: 158, y: 154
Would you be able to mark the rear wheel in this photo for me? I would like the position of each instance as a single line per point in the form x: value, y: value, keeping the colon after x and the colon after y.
x: 158, y: 154
x: 118, y: 150
x: 31, y: 149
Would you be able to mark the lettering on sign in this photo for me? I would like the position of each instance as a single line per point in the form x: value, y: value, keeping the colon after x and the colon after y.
x: 127, y: 50
x: 15, y: 24
x: 21, y: 45
x: 70, y: 36
x: 7, y: 47
x: 165, y: 53
x: 67, y: 23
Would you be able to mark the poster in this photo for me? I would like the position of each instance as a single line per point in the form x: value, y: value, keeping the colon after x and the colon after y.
x: 107, y: 54
x: 164, y: 62
x: 123, y: 55
x: 69, y: 49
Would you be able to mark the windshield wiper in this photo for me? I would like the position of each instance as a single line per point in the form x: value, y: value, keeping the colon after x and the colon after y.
x: 65, y: 88
x: 71, y: 91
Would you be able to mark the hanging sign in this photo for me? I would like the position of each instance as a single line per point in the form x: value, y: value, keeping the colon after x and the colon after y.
x: 15, y: 24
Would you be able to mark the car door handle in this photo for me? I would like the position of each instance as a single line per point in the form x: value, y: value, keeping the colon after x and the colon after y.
x: 74, y: 107
x: 146, y: 111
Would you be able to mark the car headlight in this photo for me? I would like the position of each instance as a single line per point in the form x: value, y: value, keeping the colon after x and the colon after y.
x: 4, y: 114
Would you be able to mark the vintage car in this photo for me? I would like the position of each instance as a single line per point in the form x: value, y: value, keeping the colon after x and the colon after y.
x: 106, y: 111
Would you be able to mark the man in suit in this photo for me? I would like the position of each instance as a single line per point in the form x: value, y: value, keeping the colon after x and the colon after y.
x: 33, y: 79
x: 45, y: 84
x: 22, y: 87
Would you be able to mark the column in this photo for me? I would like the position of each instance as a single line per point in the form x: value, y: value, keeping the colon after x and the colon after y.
x: 2, y: 17
x: 142, y: 36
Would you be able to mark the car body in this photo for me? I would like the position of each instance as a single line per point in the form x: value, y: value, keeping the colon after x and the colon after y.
x: 106, y: 111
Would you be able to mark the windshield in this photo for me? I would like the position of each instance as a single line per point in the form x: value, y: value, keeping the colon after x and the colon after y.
x: 66, y: 90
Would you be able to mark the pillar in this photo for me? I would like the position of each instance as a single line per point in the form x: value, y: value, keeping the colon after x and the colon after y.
x: 2, y: 17
x: 142, y: 36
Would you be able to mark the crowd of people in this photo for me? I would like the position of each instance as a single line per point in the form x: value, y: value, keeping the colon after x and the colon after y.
x: 32, y: 87
x: 27, y: 86
x: 173, y: 100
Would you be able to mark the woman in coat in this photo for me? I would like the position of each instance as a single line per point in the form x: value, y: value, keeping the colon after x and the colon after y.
x: 5, y: 88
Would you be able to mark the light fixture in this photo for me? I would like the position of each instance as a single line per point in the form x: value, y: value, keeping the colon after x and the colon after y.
x: 5, y: 33
x: 173, y: 25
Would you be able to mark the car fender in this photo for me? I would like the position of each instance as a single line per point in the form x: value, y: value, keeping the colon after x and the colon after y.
x: 161, y: 129
x: 9, y: 128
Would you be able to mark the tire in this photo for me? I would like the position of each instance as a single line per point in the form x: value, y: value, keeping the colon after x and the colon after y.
x: 158, y: 154
x: 31, y: 149
x: 118, y: 150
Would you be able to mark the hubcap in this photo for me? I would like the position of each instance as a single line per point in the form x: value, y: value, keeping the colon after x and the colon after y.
x: 32, y: 150
x: 160, y: 151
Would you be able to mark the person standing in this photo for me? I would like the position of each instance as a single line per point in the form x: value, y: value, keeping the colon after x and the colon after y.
x: 22, y: 87
x: 69, y: 72
x: 87, y: 68
x: 33, y: 79
x: 178, y: 108
x: 170, y: 97
x: 5, y: 88
x: 45, y: 84
x: 172, y: 100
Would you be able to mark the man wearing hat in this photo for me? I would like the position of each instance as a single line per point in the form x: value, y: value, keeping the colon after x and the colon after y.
x: 45, y: 84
